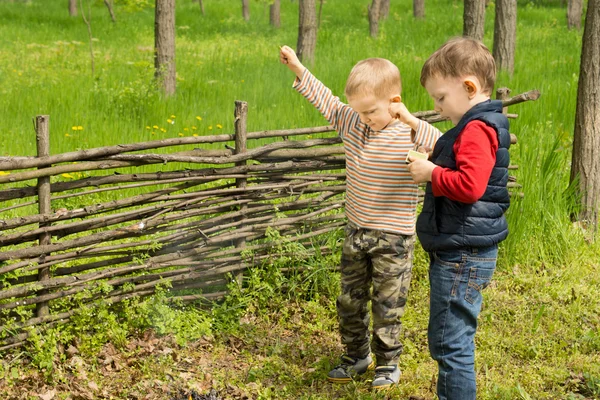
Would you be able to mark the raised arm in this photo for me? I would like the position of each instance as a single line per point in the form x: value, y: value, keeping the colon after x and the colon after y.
x: 424, y: 135
x: 288, y: 57
x: 340, y: 115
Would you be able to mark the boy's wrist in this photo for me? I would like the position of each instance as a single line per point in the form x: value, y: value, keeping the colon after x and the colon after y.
x: 413, y: 122
x: 298, y: 70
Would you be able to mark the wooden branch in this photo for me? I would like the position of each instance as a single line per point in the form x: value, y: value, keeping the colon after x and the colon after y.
x: 11, y: 163
x: 247, y: 155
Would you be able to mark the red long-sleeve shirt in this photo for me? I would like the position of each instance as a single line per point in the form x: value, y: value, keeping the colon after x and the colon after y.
x: 475, y: 152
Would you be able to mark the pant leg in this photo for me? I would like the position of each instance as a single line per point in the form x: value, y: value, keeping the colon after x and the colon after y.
x: 355, y: 287
x: 392, y: 272
x: 456, y: 281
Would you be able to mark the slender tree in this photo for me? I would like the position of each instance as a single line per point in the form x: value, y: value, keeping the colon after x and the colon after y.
x: 419, y: 8
x: 246, y: 9
x: 109, y: 5
x: 585, y: 165
x: 574, y: 13
x: 164, y: 46
x: 505, y: 34
x: 275, y: 14
x: 384, y: 9
x: 73, y: 8
x: 201, y: 7
x: 88, y: 22
x: 474, y: 19
x: 374, y: 18
x: 307, y: 31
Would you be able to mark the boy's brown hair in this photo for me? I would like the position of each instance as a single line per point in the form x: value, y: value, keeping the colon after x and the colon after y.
x: 376, y: 76
x: 459, y: 57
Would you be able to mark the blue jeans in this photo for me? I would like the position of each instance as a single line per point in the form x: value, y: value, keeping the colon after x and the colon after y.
x: 456, y: 279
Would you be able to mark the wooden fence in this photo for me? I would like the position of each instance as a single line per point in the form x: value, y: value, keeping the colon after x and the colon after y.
x: 107, y: 224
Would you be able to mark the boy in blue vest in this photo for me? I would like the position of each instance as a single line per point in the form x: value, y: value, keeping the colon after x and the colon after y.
x: 462, y: 220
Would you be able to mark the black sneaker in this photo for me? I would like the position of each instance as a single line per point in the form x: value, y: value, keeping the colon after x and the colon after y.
x: 350, y: 367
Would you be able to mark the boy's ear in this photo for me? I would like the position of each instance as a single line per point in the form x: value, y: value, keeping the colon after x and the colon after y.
x: 471, y: 87
x: 396, y: 99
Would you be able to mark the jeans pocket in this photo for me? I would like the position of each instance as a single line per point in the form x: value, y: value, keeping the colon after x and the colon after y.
x: 479, y: 279
x: 448, y: 258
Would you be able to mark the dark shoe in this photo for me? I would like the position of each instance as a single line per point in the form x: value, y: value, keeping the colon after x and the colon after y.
x: 386, y: 376
x: 350, y: 367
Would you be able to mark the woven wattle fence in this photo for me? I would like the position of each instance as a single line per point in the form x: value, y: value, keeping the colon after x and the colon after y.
x: 107, y: 224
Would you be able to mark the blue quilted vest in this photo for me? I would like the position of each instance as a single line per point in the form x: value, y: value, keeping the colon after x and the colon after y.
x: 446, y: 224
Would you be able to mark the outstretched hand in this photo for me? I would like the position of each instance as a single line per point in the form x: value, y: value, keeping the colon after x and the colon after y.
x: 287, y: 56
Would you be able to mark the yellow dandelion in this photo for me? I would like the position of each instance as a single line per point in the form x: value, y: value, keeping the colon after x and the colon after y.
x: 195, y: 134
x: 199, y: 118
x: 154, y: 133
x: 155, y: 126
x: 163, y: 130
x: 80, y: 128
x: 194, y: 128
x: 210, y: 127
x: 67, y: 135
x: 147, y: 127
x: 172, y: 116
x: 219, y: 126
x: 170, y: 121
x: 2, y: 173
x: 180, y: 134
x: 186, y: 129
x: 69, y: 176
x: 74, y: 128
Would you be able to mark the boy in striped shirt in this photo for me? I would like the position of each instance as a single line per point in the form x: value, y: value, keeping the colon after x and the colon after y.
x: 381, y: 200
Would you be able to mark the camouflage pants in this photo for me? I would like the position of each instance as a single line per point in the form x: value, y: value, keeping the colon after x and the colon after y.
x: 383, y: 261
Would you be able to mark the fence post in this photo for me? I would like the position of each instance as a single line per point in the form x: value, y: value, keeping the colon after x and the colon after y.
x: 42, y: 136
x: 241, y: 128
x: 502, y: 94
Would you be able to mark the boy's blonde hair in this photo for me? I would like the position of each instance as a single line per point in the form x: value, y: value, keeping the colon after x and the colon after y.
x: 459, y: 57
x: 376, y: 76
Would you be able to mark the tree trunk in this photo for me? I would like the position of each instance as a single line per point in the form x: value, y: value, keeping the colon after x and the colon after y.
x: 246, y: 9
x: 574, y: 12
x: 505, y: 32
x: 585, y: 163
x: 374, y: 18
x: 474, y: 19
x: 202, y: 7
x: 275, y: 14
x: 164, y: 46
x: 384, y: 9
x: 307, y: 31
x: 109, y: 5
x: 73, y: 8
x: 419, y: 8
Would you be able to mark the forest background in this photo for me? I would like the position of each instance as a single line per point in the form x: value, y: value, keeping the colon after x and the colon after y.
x: 276, y: 339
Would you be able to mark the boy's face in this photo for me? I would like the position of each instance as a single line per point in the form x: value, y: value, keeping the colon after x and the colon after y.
x: 453, y: 97
x: 372, y: 110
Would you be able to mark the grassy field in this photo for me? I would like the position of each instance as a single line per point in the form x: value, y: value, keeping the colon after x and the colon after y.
x: 539, y: 335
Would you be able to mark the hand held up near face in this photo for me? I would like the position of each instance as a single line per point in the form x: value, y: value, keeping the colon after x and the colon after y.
x: 287, y: 56
x: 398, y: 110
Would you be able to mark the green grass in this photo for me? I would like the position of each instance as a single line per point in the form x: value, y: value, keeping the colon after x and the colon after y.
x: 539, y: 336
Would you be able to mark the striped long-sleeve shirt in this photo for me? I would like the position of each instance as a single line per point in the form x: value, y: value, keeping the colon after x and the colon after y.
x: 380, y: 192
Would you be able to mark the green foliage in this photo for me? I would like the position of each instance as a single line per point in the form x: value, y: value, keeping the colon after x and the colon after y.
x: 163, y: 316
x: 134, y: 5
x: 288, y: 275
